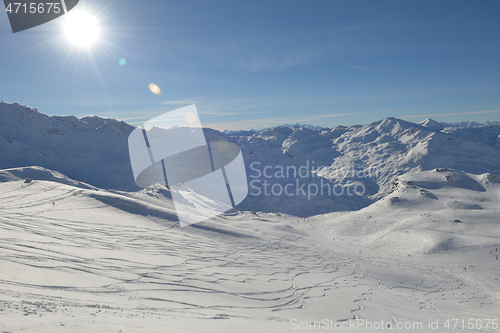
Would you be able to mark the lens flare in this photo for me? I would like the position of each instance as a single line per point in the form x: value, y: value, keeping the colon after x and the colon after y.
x: 154, y: 89
x: 190, y: 118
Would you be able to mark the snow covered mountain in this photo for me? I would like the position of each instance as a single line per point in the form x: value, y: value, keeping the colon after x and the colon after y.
x: 429, y: 123
x: 471, y: 124
x: 91, y: 149
x: 372, y: 155
x: 321, y: 166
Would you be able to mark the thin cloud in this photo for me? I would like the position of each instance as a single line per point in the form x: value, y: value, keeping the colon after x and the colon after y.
x: 131, y: 118
x: 371, y: 68
x: 269, y: 122
x: 237, y: 106
x: 180, y: 102
x: 255, y: 52
x: 135, y: 123
x: 452, y: 114
x: 228, y: 113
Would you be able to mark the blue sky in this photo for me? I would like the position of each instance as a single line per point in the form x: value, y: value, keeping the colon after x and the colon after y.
x: 256, y: 64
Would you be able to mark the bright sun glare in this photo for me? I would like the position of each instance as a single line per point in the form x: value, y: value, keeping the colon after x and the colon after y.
x: 81, y: 29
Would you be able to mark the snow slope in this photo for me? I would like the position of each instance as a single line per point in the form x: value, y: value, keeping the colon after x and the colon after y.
x: 82, y: 259
x: 429, y: 212
x: 445, y: 222
x: 82, y: 249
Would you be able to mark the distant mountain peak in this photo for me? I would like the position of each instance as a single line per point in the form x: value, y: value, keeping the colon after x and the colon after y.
x: 466, y: 124
x: 432, y: 124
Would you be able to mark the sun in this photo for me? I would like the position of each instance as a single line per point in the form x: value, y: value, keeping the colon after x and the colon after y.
x: 81, y: 29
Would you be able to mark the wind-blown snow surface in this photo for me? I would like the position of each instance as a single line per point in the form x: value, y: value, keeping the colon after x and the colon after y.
x: 75, y: 258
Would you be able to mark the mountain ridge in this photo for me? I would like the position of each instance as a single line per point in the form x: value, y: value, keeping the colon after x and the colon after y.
x: 94, y: 150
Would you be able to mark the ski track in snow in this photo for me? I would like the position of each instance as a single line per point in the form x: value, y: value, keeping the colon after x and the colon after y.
x: 71, y: 263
